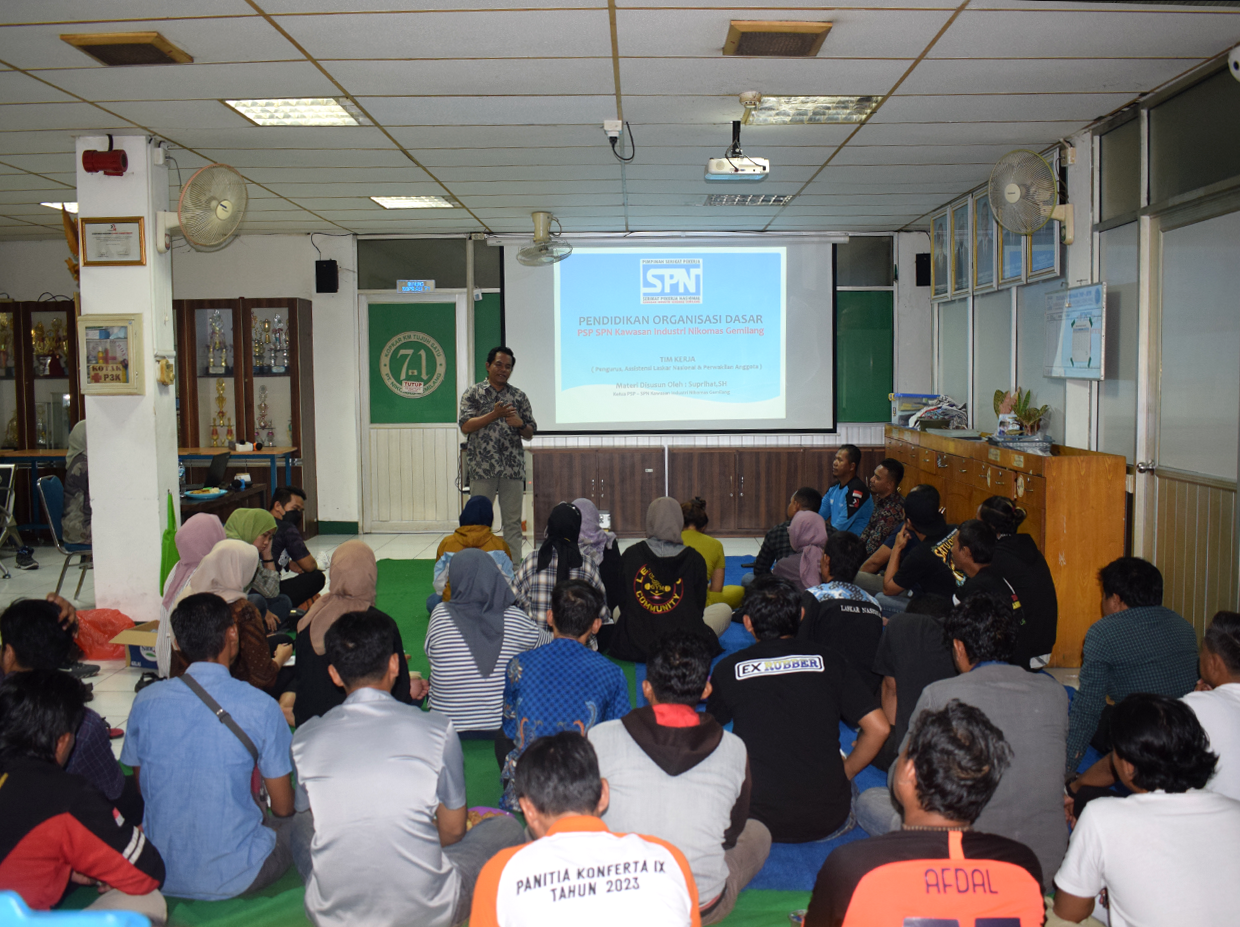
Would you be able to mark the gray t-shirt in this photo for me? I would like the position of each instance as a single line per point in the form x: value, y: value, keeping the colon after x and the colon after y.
x: 1032, y: 711
x: 374, y: 771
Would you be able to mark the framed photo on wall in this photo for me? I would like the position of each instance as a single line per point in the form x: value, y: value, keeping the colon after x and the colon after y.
x: 983, y: 243
x: 110, y: 352
x: 939, y: 261
x: 114, y: 241
x: 1011, y: 257
x: 1044, y: 251
x: 960, y: 248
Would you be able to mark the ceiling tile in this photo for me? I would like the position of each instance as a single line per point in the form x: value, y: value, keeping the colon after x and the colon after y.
x: 475, y: 77
x: 480, y: 34
x: 998, y: 107
x: 70, y: 116
x: 921, y: 154
x: 174, y: 116
x: 65, y: 162
x: 497, y: 110
x: 351, y: 6
x: 418, y: 138
x: 600, y: 155
x: 300, y: 157
x: 69, y: 11
x: 195, y: 81
x: 263, y: 137
x: 771, y: 77
x: 16, y: 87
x: 962, y: 133
x: 1122, y: 75
x: 56, y: 140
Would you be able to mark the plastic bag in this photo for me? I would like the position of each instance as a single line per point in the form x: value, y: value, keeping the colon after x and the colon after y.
x: 96, y: 627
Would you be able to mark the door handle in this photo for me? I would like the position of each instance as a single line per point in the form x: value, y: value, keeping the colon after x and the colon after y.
x: 742, y: 486
x: 1146, y: 466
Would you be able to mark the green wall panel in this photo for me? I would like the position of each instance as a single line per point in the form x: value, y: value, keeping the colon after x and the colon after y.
x: 865, y: 346
x: 486, y: 332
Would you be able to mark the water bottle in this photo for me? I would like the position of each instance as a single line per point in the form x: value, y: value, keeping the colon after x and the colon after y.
x: 181, y: 477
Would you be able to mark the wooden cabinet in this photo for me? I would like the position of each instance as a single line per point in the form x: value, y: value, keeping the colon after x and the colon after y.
x: 268, y: 393
x: 39, y: 386
x: 1074, y: 500
x: 621, y: 481
x: 711, y: 474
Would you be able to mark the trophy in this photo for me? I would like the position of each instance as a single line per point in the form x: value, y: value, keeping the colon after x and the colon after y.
x: 256, y: 340
x: 40, y: 424
x: 264, y: 423
x: 6, y: 340
x: 43, y: 361
x: 218, y: 421
x: 279, y: 345
x: 56, y: 349
x: 10, y: 432
x: 217, y: 353
x: 230, y: 436
x: 268, y: 351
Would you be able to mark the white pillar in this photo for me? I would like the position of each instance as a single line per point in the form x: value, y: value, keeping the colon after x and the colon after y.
x: 132, y: 440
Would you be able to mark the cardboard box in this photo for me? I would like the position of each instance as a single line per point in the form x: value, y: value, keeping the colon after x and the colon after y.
x: 139, y: 641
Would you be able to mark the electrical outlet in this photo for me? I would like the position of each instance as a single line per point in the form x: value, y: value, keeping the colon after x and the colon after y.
x: 613, y: 127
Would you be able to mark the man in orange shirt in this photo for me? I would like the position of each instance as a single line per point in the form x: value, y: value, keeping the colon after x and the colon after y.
x: 577, y: 871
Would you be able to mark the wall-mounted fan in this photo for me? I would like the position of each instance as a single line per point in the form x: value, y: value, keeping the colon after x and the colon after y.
x: 1024, y: 194
x: 209, y: 212
x: 545, y: 248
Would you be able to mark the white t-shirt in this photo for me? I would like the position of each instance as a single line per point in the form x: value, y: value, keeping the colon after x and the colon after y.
x: 1165, y: 860
x: 1219, y: 713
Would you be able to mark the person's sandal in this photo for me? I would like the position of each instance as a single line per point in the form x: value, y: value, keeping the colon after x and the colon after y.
x: 145, y: 680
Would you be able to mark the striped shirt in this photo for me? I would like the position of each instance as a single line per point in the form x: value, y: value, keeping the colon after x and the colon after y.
x: 473, y: 702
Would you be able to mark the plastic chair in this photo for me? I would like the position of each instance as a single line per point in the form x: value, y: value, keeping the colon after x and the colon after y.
x: 14, y: 913
x: 52, y: 493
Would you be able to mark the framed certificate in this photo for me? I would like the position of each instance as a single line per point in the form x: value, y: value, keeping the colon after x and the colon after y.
x: 112, y: 241
x: 939, y: 262
x: 110, y: 352
x: 983, y: 243
x: 960, y: 248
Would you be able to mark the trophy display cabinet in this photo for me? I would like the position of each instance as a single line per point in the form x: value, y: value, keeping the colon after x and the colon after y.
x: 245, y: 373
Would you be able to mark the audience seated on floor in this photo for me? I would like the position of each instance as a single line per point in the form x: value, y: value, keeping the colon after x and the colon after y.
x: 474, y: 533
x: 1137, y: 646
x: 776, y: 543
x: 841, y: 615
x: 927, y: 565
x: 951, y: 765
x: 470, y: 640
x: 196, y: 769
x: 972, y: 552
x: 38, y: 635
x: 383, y: 782
x: 665, y: 585
x: 1167, y: 853
x: 314, y: 691
x: 288, y: 547
x: 694, y: 535
x: 57, y: 826
x: 194, y: 540
x: 911, y: 654
x: 888, y: 514
x: 872, y: 573
x: 678, y: 775
x: 557, y: 559
x: 600, y: 546
x: 847, y: 505
x: 785, y: 698
x: 562, y: 685
x: 225, y: 572
x: 1032, y: 711
x: 576, y: 871
x: 258, y: 527
x: 807, y: 536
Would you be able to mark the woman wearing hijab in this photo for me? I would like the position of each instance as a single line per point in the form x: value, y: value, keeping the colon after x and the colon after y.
x: 194, y: 540
x: 601, y: 547
x: 75, y: 519
x: 354, y: 575
x: 258, y: 527
x: 694, y: 535
x: 559, y: 558
x: 664, y: 588
x: 471, y: 639
x: 807, y: 533
x: 225, y: 572
x: 474, y: 533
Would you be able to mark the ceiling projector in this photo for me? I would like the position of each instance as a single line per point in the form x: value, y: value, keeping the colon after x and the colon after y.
x: 735, y: 164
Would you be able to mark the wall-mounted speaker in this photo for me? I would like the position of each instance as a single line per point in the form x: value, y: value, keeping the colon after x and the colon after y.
x: 327, y: 277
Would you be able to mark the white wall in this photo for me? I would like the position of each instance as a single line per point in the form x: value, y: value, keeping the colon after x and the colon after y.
x: 914, y: 368
x: 256, y: 266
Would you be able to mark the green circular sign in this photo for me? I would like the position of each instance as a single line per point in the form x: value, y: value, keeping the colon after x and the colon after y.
x: 412, y: 364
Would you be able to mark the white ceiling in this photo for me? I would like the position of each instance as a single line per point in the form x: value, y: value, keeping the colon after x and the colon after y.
x: 500, y: 106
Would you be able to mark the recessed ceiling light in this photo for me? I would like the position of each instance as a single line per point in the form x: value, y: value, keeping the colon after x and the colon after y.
x: 748, y: 199
x: 415, y: 202
x: 319, y: 111
x: 69, y: 207
x: 781, y: 111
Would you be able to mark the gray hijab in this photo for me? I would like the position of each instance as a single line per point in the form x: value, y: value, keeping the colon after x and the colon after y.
x: 664, y: 522
x: 479, y: 596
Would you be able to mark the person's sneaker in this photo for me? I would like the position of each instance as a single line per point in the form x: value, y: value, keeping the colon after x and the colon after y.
x: 83, y: 670
x: 25, y: 559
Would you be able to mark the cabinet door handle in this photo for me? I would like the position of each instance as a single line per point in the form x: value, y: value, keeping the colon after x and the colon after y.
x: 742, y: 486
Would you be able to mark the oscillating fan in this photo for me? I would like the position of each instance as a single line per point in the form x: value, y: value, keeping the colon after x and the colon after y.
x: 546, y: 248
x: 209, y: 212
x: 1024, y: 194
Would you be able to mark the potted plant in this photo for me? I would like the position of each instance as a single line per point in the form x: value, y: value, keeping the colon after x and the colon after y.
x: 1018, y: 409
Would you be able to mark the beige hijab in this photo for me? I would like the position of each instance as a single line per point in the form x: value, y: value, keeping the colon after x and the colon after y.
x: 354, y: 575
x: 226, y: 571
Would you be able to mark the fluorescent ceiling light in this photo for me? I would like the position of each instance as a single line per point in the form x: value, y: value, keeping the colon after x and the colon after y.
x: 782, y: 111
x: 748, y: 199
x: 321, y: 111
x: 415, y: 202
x: 69, y: 207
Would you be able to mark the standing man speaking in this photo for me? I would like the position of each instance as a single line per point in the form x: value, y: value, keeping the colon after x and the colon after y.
x: 495, y: 417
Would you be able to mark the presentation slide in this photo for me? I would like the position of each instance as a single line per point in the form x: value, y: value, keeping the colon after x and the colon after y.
x: 1075, y: 324
x: 665, y: 334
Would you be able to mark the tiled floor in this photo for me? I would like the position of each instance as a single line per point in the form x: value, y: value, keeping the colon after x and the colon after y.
x: 113, y: 687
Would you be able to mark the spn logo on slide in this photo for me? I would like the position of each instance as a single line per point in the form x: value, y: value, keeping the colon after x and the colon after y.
x: 672, y: 280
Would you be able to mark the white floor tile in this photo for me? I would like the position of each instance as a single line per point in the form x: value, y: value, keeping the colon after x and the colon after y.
x: 112, y: 705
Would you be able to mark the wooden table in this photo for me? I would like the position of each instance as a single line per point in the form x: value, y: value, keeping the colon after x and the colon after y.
x: 270, y: 454
x: 255, y: 497
x: 48, y: 457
